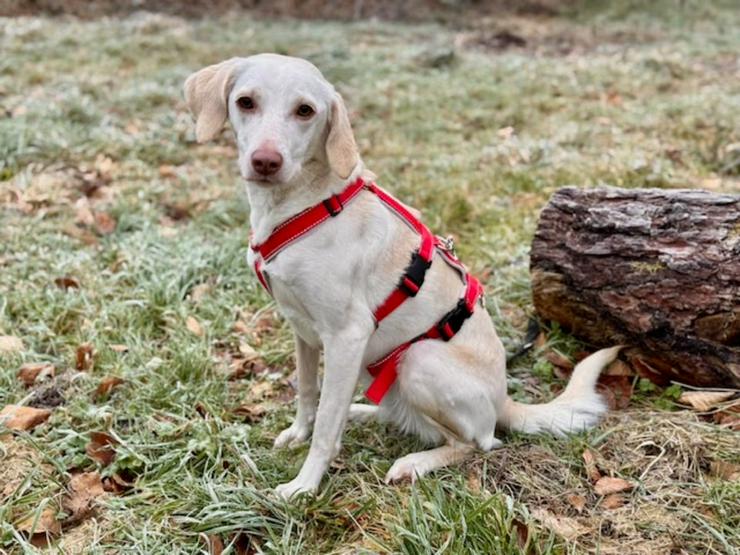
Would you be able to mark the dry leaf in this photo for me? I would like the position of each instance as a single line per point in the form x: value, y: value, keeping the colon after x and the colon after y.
x: 613, y: 501
x: 84, y: 488
x: 591, y: 469
x: 558, y: 359
x: 118, y: 483
x: 616, y: 390
x: 704, y: 400
x: 166, y: 170
x: 260, y: 389
x: 522, y: 534
x: 194, y: 326
x: 119, y: 348
x: 105, y: 224
x: 725, y: 470
x: 568, y: 528
x: 83, y: 213
x: 240, y: 327
x: 45, y: 524
x: 11, y: 344
x: 728, y: 419
x: 101, y: 448
x: 214, y: 544
x: 607, y: 485
x: 20, y: 418
x: 33, y: 372
x: 199, y: 292
x: 106, y: 385
x: 618, y: 368
x: 84, y: 357
x: 67, y: 282
x: 578, y: 502
x: 250, y: 413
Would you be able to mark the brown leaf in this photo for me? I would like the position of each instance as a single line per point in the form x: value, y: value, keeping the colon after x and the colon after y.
x: 240, y: 327
x: 728, y: 419
x: 199, y: 292
x: 11, y: 344
x: 559, y: 360
x: 540, y: 341
x: 250, y: 413
x: 617, y: 391
x: 618, y: 368
x: 613, y: 501
x: 119, y: 348
x: 168, y: 171
x: 578, y: 502
x: 725, y: 470
x: 214, y: 544
x: 84, y: 488
x: 33, y: 372
x: 568, y: 528
x: 20, y: 418
x: 106, y: 385
x: 45, y: 524
x: 101, y: 448
x: 704, y: 401
x: 105, y: 224
x: 118, y: 483
x: 194, y: 326
x: 84, y: 357
x: 592, y: 470
x: 522, y: 534
x: 607, y: 485
x: 67, y: 282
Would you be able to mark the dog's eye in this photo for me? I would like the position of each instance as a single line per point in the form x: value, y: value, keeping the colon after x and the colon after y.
x: 245, y: 103
x: 305, y: 111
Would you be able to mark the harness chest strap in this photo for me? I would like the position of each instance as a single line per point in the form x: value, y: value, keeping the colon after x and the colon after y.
x: 302, y: 223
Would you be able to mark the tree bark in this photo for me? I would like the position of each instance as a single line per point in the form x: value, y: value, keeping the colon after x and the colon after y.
x: 658, y: 270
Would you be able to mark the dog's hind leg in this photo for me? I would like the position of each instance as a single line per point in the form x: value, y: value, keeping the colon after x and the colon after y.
x: 416, y: 465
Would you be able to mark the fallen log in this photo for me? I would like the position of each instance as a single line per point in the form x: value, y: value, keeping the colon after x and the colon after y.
x: 655, y: 269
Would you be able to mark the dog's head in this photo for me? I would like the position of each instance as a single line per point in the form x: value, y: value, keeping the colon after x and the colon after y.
x: 288, y: 120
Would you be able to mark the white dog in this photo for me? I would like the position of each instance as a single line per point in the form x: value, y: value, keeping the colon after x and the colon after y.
x: 296, y: 150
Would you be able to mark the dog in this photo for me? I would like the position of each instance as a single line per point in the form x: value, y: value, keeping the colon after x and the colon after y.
x: 296, y: 151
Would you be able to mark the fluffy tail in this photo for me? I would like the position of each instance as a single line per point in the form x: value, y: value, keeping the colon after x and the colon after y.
x: 577, y: 408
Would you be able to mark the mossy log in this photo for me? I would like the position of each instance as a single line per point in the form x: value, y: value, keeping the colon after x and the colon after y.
x: 658, y: 270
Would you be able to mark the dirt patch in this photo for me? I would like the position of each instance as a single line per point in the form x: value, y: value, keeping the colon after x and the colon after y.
x: 667, y: 456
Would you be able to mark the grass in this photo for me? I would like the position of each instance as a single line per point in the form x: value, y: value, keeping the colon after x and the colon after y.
x: 478, y: 137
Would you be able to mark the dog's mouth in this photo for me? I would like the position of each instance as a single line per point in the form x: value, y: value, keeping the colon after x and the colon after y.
x: 264, y: 180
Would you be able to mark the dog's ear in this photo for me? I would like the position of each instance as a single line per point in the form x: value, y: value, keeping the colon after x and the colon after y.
x: 206, y: 94
x: 341, y: 149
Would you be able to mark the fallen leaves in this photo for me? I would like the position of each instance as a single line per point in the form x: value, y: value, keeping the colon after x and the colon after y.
x: 84, y: 357
x: 67, y: 282
x: 11, y: 344
x: 616, y: 390
x: 704, y: 401
x: 725, y: 470
x: 20, y: 418
x: 102, y: 448
x: 41, y: 524
x: 84, y: 489
x: 607, y: 485
x: 578, y: 502
x: 194, y: 326
x: 35, y: 372
x: 566, y: 527
x: 106, y: 385
x: 592, y: 471
x: 105, y: 224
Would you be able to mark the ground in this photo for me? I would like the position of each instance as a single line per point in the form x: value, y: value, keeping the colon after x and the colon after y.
x: 122, y: 254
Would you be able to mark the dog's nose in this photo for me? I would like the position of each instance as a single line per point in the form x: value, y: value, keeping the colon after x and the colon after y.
x: 266, y: 161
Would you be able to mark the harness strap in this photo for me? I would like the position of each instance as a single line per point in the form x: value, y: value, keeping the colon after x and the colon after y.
x: 385, y: 370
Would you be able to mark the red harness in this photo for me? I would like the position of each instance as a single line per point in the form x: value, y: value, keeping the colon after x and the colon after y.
x: 384, y: 370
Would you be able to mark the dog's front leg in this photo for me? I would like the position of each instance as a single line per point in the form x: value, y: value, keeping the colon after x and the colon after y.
x: 343, y: 358
x: 307, y: 364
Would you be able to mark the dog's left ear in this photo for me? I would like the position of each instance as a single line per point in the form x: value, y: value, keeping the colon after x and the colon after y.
x: 207, y: 93
x: 341, y: 149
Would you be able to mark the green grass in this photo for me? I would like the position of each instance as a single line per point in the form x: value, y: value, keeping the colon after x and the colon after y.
x: 641, y: 100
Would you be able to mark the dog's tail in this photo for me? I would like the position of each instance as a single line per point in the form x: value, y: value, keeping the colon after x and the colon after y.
x: 577, y: 408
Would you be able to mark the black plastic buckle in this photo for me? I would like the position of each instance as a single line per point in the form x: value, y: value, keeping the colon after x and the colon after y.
x: 451, y: 322
x: 413, y: 277
x: 333, y: 205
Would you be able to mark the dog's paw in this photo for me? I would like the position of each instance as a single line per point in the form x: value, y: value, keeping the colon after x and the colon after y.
x: 294, y: 488
x: 406, y: 469
x: 292, y: 436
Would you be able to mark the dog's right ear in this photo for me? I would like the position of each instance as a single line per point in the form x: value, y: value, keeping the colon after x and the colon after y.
x: 207, y: 93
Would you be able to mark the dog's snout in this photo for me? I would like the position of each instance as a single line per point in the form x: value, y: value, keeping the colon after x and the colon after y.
x: 266, y: 161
